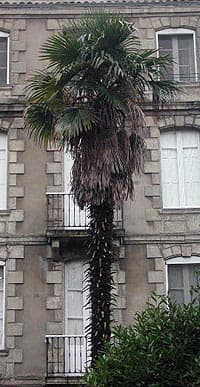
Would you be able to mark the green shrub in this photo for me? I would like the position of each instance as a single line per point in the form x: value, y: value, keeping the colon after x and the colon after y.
x: 161, y: 349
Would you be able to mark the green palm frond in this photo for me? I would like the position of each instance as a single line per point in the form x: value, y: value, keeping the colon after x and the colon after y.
x: 44, y: 87
x: 75, y: 122
x: 61, y: 50
x: 40, y: 124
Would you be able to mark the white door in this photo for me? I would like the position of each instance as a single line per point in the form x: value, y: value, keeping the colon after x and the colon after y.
x: 73, y: 216
x: 76, y: 318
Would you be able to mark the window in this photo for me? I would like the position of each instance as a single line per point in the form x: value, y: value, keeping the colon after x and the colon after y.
x: 180, y: 45
x: 180, y: 168
x: 3, y: 171
x: 182, y: 274
x: 2, y: 303
x: 4, y: 58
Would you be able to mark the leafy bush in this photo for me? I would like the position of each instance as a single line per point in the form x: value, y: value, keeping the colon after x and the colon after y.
x: 161, y: 349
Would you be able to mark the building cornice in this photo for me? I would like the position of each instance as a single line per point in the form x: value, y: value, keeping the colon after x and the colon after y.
x: 60, y: 3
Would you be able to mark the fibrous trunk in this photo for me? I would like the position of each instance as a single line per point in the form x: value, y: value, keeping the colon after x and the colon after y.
x: 100, y: 277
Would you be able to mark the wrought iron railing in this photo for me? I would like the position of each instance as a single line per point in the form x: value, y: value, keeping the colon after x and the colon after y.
x: 66, y: 356
x: 63, y: 213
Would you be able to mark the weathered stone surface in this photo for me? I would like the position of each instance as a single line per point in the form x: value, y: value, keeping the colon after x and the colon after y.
x: 58, y: 290
x: 151, y: 167
x: 16, y: 216
x: 186, y: 250
x: 154, y: 132
x: 53, y: 24
x: 152, y: 215
x: 12, y: 157
x: 3, y: 252
x: 152, y: 190
x: 153, y: 251
x: 11, y: 290
x: 160, y: 289
x: 152, y: 143
x: 155, y: 276
x: 15, y: 329
x: 174, y: 227
x: 159, y: 264
x: 53, y: 168
x: 15, y: 303
x: 176, y: 250
x: 10, y: 341
x: 54, y: 328
x: 17, y: 145
x: 15, y: 356
x: 16, y: 191
x: 16, y: 168
x: 10, y: 316
x: 18, y: 123
x: 168, y: 252
x: 15, y: 277
x: 54, y: 303
x: 54, y: 277
x: 11, y: 264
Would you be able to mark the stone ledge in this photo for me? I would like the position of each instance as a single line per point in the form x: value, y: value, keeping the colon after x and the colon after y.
x: 4, y: 352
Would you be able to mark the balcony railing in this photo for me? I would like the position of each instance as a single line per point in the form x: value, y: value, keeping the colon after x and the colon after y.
x: 64, y: 214
x: 66, y: 356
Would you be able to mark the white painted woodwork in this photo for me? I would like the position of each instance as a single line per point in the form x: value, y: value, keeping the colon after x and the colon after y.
x: 73, y: 216
x: 180, y: 277
x: 180, y: 44
x: 4, y: 58
x: 76, y: 315
x: 2, y: 303
x: 180, y: 168
x: 3, y: 171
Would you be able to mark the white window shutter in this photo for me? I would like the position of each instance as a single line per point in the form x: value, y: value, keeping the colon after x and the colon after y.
x: 186, y: 57
x: 169, y: 167
x: 191, y: 160
x: 3, y: 171
x: 74, y: 298
x: 1, y: 306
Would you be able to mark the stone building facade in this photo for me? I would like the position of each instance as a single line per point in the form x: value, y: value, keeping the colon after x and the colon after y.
x: 160, y: 239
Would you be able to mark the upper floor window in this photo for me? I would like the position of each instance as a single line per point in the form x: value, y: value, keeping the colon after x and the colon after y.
x: 4, y: 58
x: 182, y: 275
x: 180, y: 167
x: 179, y: 43
x: 2, y: 303
x: 3, y: 171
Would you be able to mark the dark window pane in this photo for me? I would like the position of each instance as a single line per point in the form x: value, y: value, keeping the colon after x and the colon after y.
x: 186, y: 57
x: 3, y: 60
x: 3, y: 44
x: 165, y: 48
x: 175, y: 276
x: 3, y: 76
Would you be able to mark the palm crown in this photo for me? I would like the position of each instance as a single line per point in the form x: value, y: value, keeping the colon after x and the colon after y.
x: 89, y: 99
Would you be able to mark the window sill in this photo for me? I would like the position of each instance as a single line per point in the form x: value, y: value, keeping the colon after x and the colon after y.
x: 176, y: 211
x: 4, y: 212
x: 4, y: 352
x: 5, y: 87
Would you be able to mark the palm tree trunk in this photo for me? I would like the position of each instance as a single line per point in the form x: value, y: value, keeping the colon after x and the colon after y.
x: 99, y: 256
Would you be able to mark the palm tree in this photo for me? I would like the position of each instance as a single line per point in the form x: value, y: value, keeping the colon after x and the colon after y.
x: 90, y: 100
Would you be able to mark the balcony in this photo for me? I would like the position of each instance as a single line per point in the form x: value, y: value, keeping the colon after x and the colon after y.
x: 66, y: 357
x: 64, y: 217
